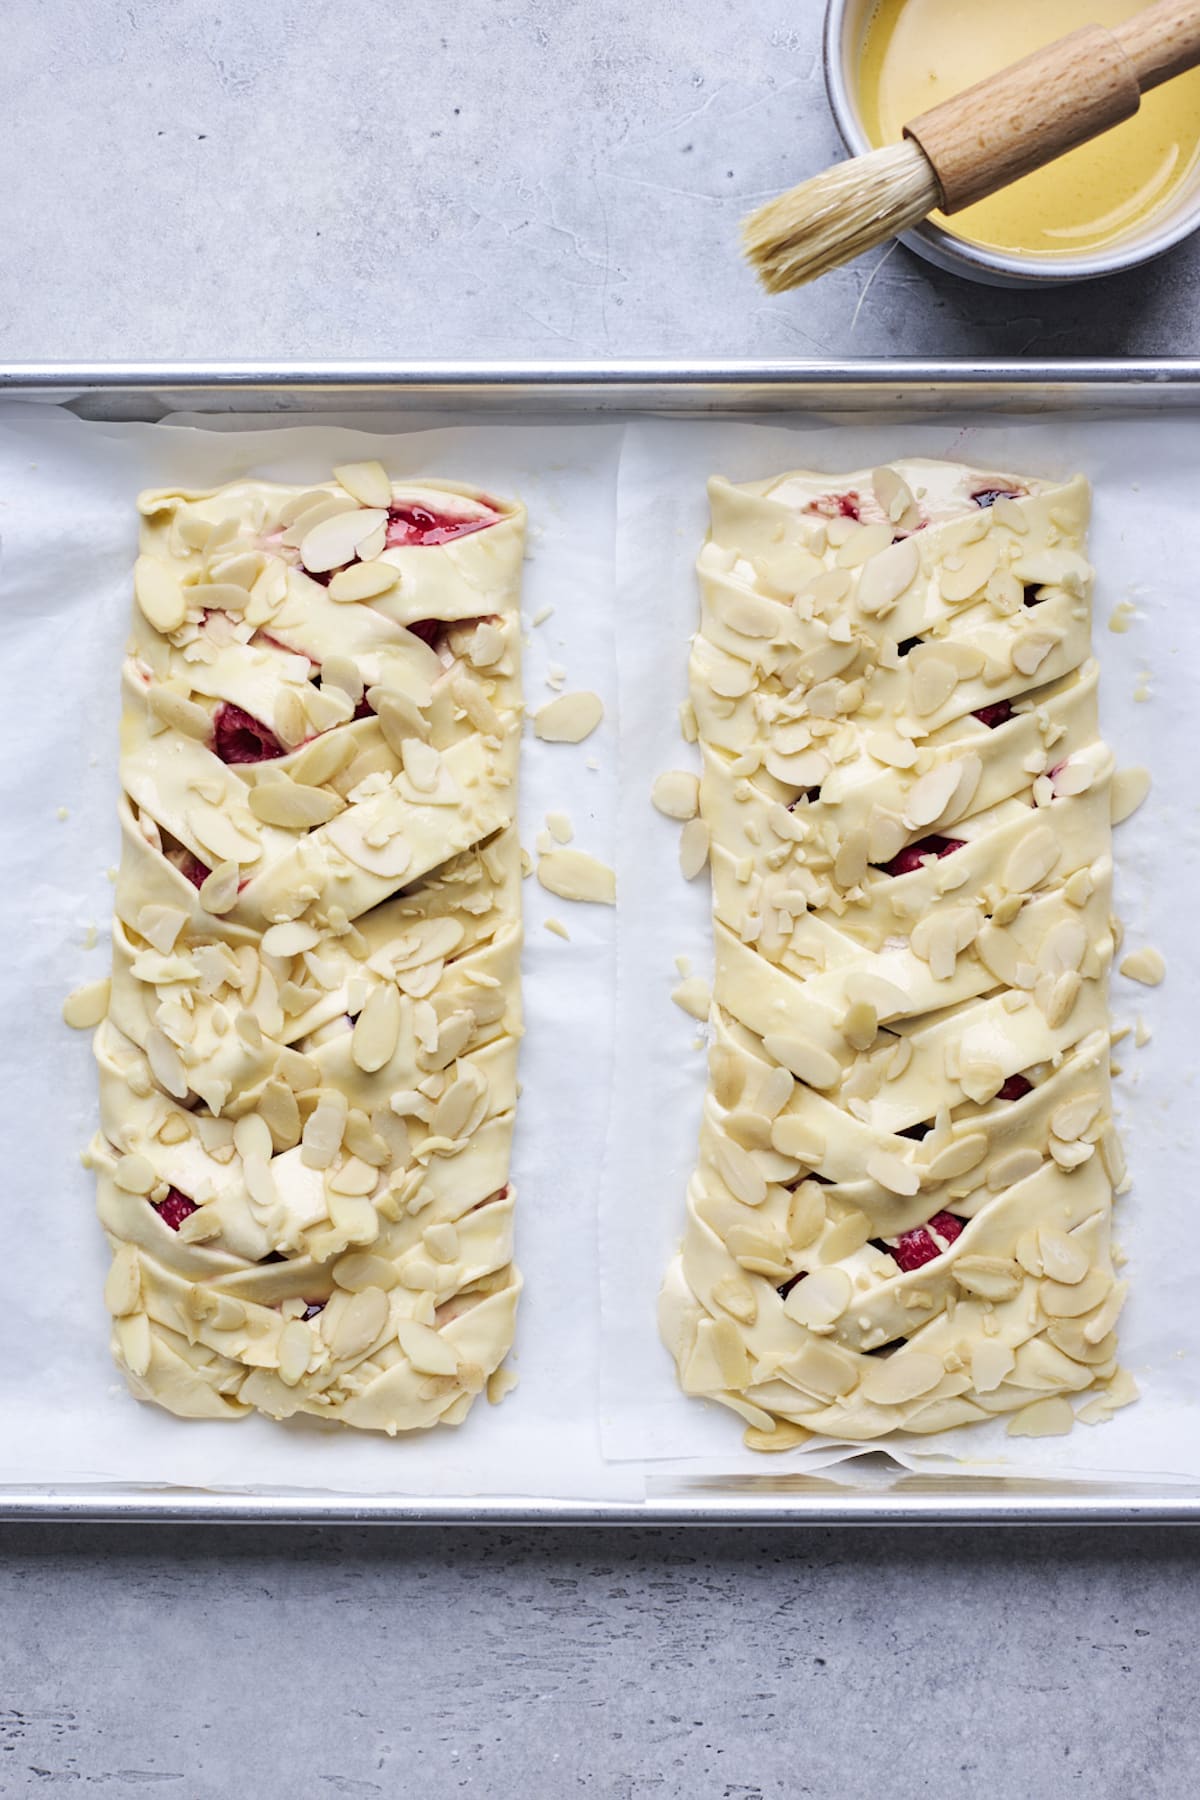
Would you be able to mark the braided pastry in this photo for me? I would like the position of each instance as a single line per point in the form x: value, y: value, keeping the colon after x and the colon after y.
x: 900, y: 1216
x: 308, y: 1065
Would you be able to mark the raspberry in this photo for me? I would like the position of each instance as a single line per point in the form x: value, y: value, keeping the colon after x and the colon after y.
x: 999, y: 713
x: 175, y: 1208
x: 421, y: 525
x: 193, y: 869
x: 913, y: 855
x: 428, y: 630
x: 989, y: 496
x: 1015, y: 1088
x: 837, y: 506
x: 237, y: 738
x: 913, y: 1249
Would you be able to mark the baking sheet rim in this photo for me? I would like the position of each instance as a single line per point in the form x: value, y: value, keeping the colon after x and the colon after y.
x: 652, y: 385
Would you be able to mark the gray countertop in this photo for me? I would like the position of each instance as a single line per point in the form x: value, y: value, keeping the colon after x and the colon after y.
x: 529, y: 178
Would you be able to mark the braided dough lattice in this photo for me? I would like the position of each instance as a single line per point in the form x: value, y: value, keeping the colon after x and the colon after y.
x: 308, y: 1067
x: 900, y: 1215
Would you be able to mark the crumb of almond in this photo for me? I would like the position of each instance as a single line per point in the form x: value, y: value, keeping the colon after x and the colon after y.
x: 62, y: 814
x: 560, y: 827
x: 555, y: 675
x: 592, y: 763
x: 543, y: 613
x: 91, y: 936
x: 110, y: 875
x: 543, y: 843
x: 1142, y: 1033
x: 526, y: 864
x: 683, y: 967
x: 557, y: 927
x: 1121, y: 617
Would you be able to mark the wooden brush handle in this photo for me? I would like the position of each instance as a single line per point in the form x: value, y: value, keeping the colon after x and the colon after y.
x: 1059, y: 97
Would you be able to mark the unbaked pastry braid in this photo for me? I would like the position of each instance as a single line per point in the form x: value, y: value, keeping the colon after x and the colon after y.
x: 308, y: 1066
x: 900, y: 1215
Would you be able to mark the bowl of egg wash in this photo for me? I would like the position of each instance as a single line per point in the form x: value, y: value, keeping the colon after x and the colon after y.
x: 1113, y: 203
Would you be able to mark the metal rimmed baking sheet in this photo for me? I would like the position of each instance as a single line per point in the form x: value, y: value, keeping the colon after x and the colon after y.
x: 438, y: 393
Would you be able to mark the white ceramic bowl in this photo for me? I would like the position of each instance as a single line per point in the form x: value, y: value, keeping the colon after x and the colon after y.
x: 845, y: 29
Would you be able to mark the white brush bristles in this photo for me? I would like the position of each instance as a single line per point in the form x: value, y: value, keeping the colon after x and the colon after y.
x: 838, y: 215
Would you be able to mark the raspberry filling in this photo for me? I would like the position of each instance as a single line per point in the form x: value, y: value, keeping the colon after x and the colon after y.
x: 999, y: 713
x: 428, y: 630
x: 913, y: 1249
x: 192, y: 869
x: 237, y: 738
x: 837, y: 506
x: 913, y: 856
x: 1015, y: 1088
x: 985, y: 497
x: 175, y: 1208
x: 411, y: 524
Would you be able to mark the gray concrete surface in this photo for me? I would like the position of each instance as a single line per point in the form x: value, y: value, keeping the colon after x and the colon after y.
x: 633, y: 1665
x: 528, y: 178
x: 485, y: 177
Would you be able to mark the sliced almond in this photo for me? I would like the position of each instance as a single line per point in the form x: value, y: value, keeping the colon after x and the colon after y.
x: 377, y: 1029
x: 295, y: 1350
x: 930, y: 795
x: 792, y: 1136
x: 159, y: 594
x: 134, y: 1342
x: 427, y: 1351
x: 1070, y: 1300
x: 85, y: 1006
x: 360, y: 1323
x: 363, y: 581
x: 885, y: 576
x: 991, y: 1363
x: 820, y: 1299
x: 1129, y: 788
x: 1052, y: 1417
x: 574, y: 875
x: 807, y: 1061
x: 676, y: 794
x: 1031, y: 861
x: 892, y: 1380
x: 569, y: 718
x: 1063, y: 1258
x: 219, y: 889
x: 123, y: 1284
x: 178, y: 712
x: 934, y: 679
x: 368, y: 482
x: 292, y: 805
x: 740, y: 1173
x: 956, y: 1158
x: 334, y: 541
x: 892, y: 1172
x: 991, y: 1277
x: 1146, y: 965
x: 135, y: 1174
x: 976, y: 564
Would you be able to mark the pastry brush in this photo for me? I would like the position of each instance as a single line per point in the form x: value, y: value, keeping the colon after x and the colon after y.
x: 970, y: 146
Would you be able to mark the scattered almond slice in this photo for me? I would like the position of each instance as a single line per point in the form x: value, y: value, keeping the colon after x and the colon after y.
x: 570, y: 718
x: 574, y: 875
x: 1146, y: 965
x: 694, y: 996
x: 557, y: 928
x: 676, y: 794
x: 85, y: 1006
x: 1129, y: 788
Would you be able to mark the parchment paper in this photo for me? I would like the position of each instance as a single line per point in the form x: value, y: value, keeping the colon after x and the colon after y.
x: 68, y: 530
x: 1145, y: 543
x: 597, y: 1413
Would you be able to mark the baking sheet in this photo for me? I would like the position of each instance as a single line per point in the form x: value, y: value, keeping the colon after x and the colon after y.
x: 67, y: 541
x: 1145, y: 543
x: 66, y: 544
